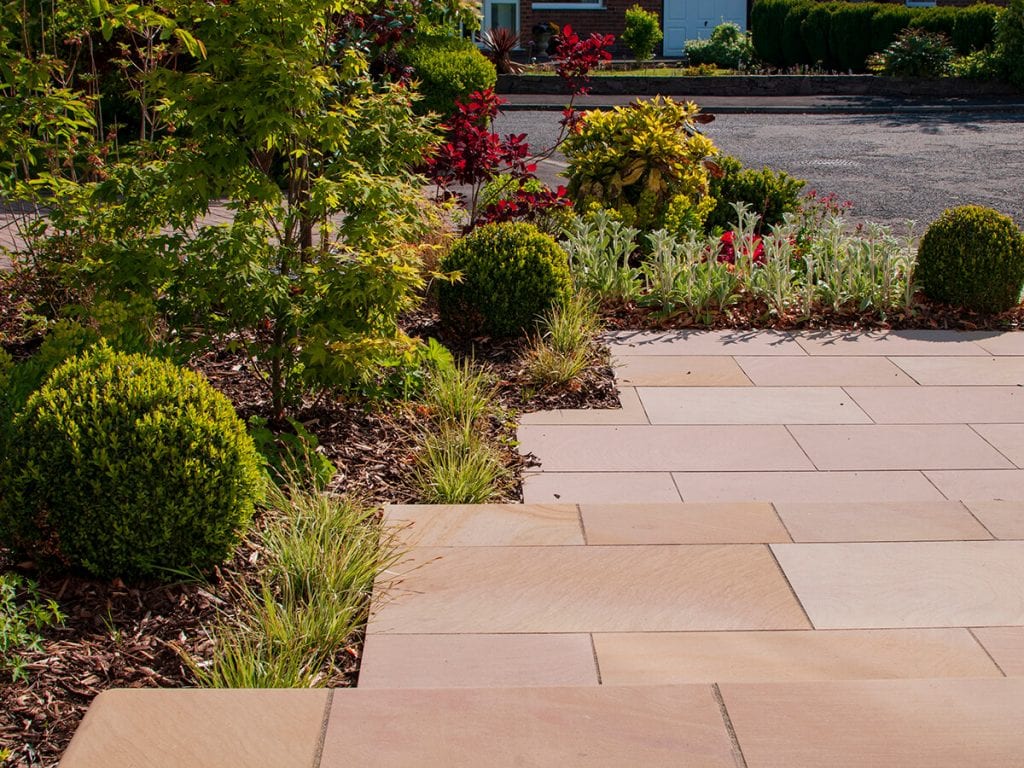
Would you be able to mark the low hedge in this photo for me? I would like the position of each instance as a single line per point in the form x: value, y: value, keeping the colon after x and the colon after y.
x: 447, y: 68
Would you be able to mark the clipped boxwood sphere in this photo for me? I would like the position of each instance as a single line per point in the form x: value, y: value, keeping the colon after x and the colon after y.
x: 972, y: 257
x: 125, y: 465
x: 511, y: 274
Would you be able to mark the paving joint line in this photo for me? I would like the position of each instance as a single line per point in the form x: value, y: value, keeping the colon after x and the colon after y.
x: 993, y: 447
x: 978, y: 519
x: 782, y: 522
x: 970, y: 631
x: 734, y: 742
x: 318, y: 754
x: 597, y: 661
x: 802, y: 450
x: 789, y: 584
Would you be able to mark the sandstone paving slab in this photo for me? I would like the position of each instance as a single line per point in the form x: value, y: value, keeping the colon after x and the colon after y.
x: 631, y: 412
x: 963, y: 371
x: 806, y: 486
x: 832, y: 521
x: 823, y: 372
x: 944, y: 723
x: 485, y: 525
x: 1005, y: 484
x: 1006, y: 646
x: 886, y: 343
x: 679, y: 371
x: 185, y: 728
x: 664, y: 448
x: 1008, y: 343
x: 656, y: 727
x: 941, y: 405
x: 712, y: 523
x: 761, y: 405
x: 1004, y: 519
x: 727, y: 342
x: 695, y: 657
x: 1008, y: 439
x: 477, y: 661
x: 917, y: 584
x: 893, y: 446
x: 587, y: 589
x: 599, y: 487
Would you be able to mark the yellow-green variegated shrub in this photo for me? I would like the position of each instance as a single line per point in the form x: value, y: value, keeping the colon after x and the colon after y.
x: 647, y: 161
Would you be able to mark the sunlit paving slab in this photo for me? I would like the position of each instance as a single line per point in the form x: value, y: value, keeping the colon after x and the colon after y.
x: 885, y: 343
x: 1004, y: 519
x: 941, y: 405
x: 663, y: 448
x: 885, y: 446
x: 702, y: 343
x: 945, y: 723
x: 880, y: 521
x: 761, y: 405
x: 477, y: 661
x: 592, y: 727
x: 1006, y: 646
x: 919, y: 584
x: 1008, y: 439
x: 807, y: 486
x: 631, y: 412
x: 1001, y: 484
x: 185, y: 728
x: 488, y: 525
x: 963, y: 371
x: 696, y: 523
x: 678, y: 371
x: 587, y: 589
x: 1010, y: 343
x: 823, y: 372
x: 599, y: 487
x: 693, y: 657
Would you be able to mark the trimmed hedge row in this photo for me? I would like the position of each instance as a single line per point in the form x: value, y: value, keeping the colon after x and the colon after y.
x: 841, y: 35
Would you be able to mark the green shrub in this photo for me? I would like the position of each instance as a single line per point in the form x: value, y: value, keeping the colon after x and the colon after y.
x: 973, y: 257
x: 1010, y: 42
x: 974, y: 27
x: 794, y: 50
x: 979, y: 65
x: 645, y: 161
x: 769, y: 194
x: 766, y: 25
x: 887, y: 23
x: 849, y: 33
x: 511, y: 274
x: 815, y: 32
x: 728, y: 47
x: 448, y: 68
x: 939, y: 20
x: 915, y: 53
x: 23, y: 614
x: 642, y: 32
x: 125, y: 465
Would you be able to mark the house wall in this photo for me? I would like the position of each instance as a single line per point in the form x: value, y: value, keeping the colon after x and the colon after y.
x: 608, y: 20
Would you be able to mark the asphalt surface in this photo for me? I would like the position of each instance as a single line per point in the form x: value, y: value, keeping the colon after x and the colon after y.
x: 893, y: 167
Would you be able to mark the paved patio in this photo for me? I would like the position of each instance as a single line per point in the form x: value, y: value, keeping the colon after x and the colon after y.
x: 785, y: 550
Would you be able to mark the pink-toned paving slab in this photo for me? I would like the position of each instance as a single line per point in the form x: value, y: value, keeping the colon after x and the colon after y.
x: 725, y: 523
x: 888, y: 343
x: 656, y: 727
x: 477, y: 661
x: 880, y: 521
x: 1006, y: 646
x: 588, y: 589
x: 678, y: 371
x: 1004, y: 484
x: 1011, y: 343
x: 940, y: 405
x: 1004, y: 519
x: 823, y: 372
x: 760, y: 405
x: 485, y: 525
x: 948, y: 723
x: 599, y: 487
x: 1008, y: 439
x: 918, y: 584
x: 631, y: 412
x: 185, y: 728
x: 663, y: 448
x: 805, y: 486
x: 963, y: 371
x: 702, y: 343
x: 885, y: 446
x: 695, y: 657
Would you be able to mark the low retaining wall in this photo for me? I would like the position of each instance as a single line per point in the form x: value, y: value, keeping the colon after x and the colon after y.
x: 765, y: 85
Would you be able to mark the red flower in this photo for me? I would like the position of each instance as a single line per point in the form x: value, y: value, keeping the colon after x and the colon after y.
x: 727, y: 249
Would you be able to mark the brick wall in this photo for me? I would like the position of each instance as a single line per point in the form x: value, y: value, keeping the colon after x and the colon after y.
x: 609, y: 20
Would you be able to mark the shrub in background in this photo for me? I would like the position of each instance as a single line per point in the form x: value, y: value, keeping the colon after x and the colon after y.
x: 794, y: 50
x: 915, y: 53
x: 1010, y: 42
x: 448, y: 68
x: 125, y: 465
x: 729, y: 47
x: 766, y: 23
x: 642, y: 33
x: 974, y: 27
x: 973, y: 256
x: 511, y: 274
x: 646, y: 161
x: 815, y: 30
x: 887, y: 23
x: 850, y: 36
x: 769, y: 194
